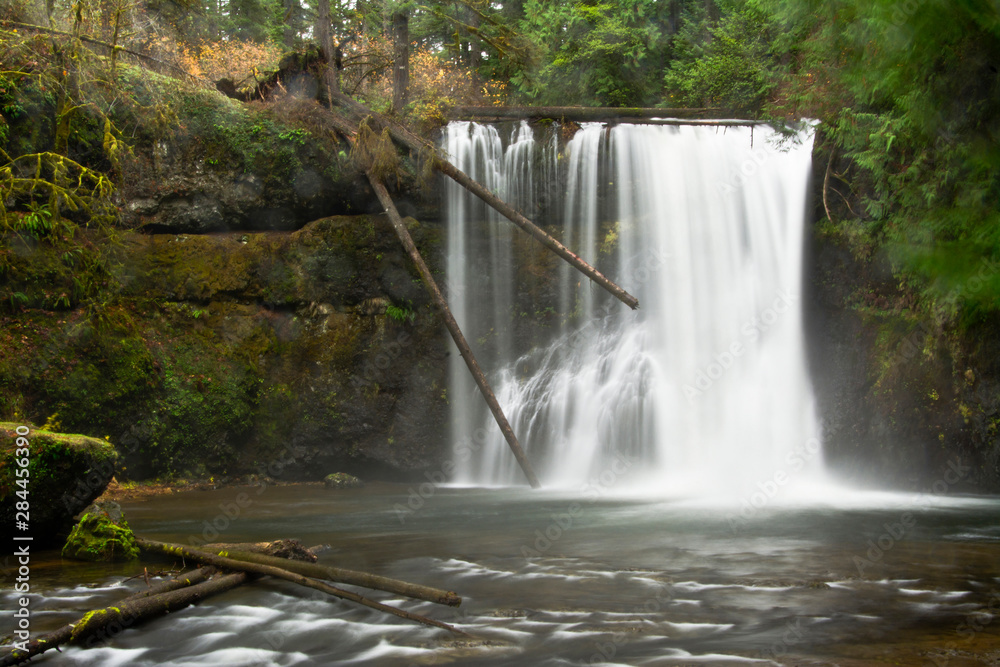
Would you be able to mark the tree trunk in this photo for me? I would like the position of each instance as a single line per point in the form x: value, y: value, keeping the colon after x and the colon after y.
x: 352, y: 577
x: 290, y: 27
x: 281, y: 573
x: 167, y: 597
x: 330, y: 79
x: 401, y: 59
x: 107, y: 9
x: 417, y: 144
x: 475, y: 51
x: 456, y: 333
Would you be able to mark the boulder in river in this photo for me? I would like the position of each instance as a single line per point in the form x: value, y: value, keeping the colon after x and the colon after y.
x: 341, y: 480
x: 102, y: 534
x: 65, y: 473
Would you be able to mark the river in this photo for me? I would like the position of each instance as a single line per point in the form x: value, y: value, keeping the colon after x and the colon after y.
x: 569, y: 578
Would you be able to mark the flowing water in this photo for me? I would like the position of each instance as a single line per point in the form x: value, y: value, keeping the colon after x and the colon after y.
x: 705, y: 388
x: 686, y: 518
x: 554, y: 578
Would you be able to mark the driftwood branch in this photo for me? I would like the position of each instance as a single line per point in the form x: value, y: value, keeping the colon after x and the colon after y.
x: 418, y: 144
x: 454, y: 330
x: 352, y: 577
x: 281, y: 573
x: 158, y: 600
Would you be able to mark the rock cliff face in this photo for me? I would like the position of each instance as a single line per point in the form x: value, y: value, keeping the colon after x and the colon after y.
x: 291, y: 354
x: 347, y: 354
x: 910, y: 399
x: 255, y: 319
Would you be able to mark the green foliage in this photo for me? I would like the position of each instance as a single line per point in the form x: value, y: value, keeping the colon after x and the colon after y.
x: 910, y: 100
x: 727, y: 64
x: 68, y: 189
x: 100, y: 537
x: 605, y: 52
x: 400, y: 313
x: 251, y: 140
x: 203, y: 409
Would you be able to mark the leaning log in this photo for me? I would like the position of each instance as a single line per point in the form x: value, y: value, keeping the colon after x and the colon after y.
x: 107, y: 622
x: 344, y: 576
x: 454, y: 330
x: 415, y: 143
x: 351, y: 131
x: 281, y: 573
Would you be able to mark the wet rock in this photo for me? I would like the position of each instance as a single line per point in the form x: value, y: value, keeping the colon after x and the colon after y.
x: 102, y: 534
x: 341, y: 480
x: 65, y: 474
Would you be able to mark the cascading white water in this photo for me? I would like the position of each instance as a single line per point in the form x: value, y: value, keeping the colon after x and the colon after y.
x: 705, y: 388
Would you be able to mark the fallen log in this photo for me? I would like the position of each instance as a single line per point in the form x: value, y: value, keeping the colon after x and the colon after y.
x: 454, y: 330
x: 577, y: 114
x: 422, y: 147
x: 343, y: 576
x: 180, y: 581
x: 281, y: 573
x: 108, y: 622
x: 281, y: 551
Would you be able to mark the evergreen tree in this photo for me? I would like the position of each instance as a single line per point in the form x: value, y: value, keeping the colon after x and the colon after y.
x: 909, y: 93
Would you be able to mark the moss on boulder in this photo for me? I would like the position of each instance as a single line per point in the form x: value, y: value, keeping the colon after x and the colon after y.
x: 65, y: 474
x: 101, y: 534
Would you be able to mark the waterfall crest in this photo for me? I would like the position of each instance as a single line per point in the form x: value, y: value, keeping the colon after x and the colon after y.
x: 705, y: 388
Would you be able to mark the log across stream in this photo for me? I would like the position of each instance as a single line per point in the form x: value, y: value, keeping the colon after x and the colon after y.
x: 567, y: 576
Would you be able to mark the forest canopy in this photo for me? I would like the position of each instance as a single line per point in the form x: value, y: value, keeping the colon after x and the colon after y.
x: 906, y: 93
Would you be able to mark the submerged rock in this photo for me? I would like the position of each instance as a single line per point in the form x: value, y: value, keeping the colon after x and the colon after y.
x: 102, y: 534
x: 65, y: 474
x: 341, y: 480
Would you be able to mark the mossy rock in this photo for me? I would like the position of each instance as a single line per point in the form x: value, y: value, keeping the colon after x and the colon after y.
x: 102, y: 534
x: 65, y: 474
x: 341, y: 480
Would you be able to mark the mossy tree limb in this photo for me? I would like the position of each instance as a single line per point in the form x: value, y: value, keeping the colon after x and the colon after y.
x: 352, y: 577
x: 281, y: 573
x: 64, y: 184
x: 100, y: 624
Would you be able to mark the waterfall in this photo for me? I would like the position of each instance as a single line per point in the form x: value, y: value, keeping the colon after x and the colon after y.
x: 705, y: 388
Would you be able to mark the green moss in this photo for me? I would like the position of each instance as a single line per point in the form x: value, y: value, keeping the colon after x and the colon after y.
x: 99, y: 536
x: 83, y: 626
x: 65, y: 472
